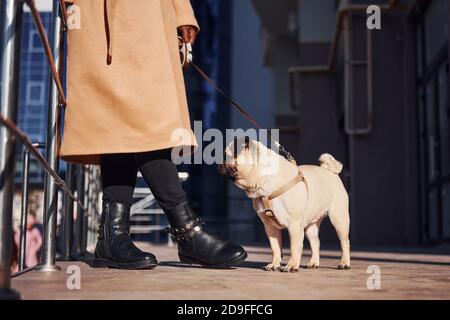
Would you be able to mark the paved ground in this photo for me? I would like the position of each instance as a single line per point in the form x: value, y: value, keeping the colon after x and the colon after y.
x: 403, y: 276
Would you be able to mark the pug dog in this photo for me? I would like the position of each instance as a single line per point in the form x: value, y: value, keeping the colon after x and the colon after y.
x: 261, y: 172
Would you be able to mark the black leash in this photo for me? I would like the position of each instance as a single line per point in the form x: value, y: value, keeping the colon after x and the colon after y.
x: 286, y: 154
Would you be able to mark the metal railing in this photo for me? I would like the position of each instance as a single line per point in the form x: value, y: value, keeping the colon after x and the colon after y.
x: 10, y: 18
x: 81, y: 186
x: 24, y: 204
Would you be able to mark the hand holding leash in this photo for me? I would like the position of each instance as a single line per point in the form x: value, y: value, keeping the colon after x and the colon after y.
x: 188, y: 34
x: 187, y: 37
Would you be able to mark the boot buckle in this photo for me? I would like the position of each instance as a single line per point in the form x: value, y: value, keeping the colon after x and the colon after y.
x: 187, y: 231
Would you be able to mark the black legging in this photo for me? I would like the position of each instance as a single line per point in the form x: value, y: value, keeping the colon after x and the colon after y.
x: 119, y: 173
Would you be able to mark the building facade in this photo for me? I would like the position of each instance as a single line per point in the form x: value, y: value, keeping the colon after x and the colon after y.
x: 33, y: 87
x: 376, y: 99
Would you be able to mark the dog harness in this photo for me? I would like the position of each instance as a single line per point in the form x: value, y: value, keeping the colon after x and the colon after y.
x: 266, y: 200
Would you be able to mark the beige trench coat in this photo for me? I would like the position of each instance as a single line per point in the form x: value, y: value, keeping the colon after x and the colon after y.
x: 125, y: 87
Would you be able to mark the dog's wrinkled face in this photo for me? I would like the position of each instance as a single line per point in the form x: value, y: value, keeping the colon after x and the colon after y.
x: 240, y: 161
x: 246, y: 162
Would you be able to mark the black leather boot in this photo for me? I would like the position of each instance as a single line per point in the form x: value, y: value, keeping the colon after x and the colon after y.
x: 196, y: 246
x: 114, y: 247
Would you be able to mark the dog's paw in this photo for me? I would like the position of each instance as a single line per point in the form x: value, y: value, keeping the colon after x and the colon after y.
x: 272, y: 267
x: 344, y: 267
x: 290, y: 268
x: 313, y: 265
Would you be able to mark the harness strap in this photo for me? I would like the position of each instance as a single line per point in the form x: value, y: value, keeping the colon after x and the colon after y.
x: 266, y: 200
x: 297, y: 179
x: 267, y: 207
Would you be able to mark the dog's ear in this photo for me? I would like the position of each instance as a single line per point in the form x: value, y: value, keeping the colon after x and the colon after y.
x: 247, y: 142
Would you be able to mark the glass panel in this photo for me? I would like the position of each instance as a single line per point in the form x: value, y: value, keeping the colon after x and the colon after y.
x: 436, y: 27
x: 35, y: 93
x: 433, y: 215
x: 446, y: 210
x: 444, y: 118
x: 34, y: 42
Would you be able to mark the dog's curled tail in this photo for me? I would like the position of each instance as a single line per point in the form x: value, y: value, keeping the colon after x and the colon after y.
x: 327, y: 161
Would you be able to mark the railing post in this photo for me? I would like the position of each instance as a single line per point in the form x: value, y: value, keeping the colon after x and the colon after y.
x: 48, y: 262
x: 96, y: 191
x: 68, y: 214
x: 24, y: 209
x: 11, y: 20
x: 86, y: 203
x: 93, y: 193
x: 80, y: 212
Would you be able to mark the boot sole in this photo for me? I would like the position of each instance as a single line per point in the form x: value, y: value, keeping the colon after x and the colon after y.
x: 104, y: 263
x: 233, y: 263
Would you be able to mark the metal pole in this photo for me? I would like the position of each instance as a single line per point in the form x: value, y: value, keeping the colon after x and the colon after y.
x: 51, y: 188
x: 24, y: 213
x: 68, y: 214
x: 89, y: 212
x: 97, y: 206
x: 92, y: 209
x: 11, y: 20
x: 24, y: 207
x: 80, y: 212
x: 11, y: 13
x: 86, y: 203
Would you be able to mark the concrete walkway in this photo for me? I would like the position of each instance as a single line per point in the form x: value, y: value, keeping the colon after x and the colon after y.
x: 403, y: 276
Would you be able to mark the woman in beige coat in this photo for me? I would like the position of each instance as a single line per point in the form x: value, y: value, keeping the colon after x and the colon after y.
x: 125, y: 100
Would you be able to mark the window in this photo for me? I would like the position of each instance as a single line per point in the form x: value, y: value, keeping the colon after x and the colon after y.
x: 34, y: 42
x: 35, y: 93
